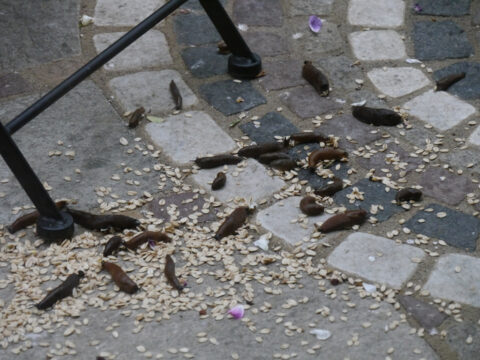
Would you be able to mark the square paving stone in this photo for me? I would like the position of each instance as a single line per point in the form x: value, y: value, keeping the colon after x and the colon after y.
x: 446, y: 283
x: 340, y: 71
x: 195, y: 29
x: 311, y: 7
x: 205, y: 61
x: 271, y: 124
x: 475, y: 137
x: 371, y: 99
x: 225, y: 96
x: 397, y: 82
x: 469, y: 86
x: 443, y: 7
x: 427, y: 315
x: 278, y: 220
x: 124, y: 12
x: 376, y: 13
x: 34, y: 33
x: 266, y: 44
x: 251, y: 182
x: 374, y: 194
x: 440, y: 40
x: 282, y: 74
x: 456, y: 228
x: 258, y: 12
x: 463, y: 158
x: 439, y: 109
x: 195, y: 5
x: 151, y: 90
x: 458, y: 333
x: 339, y: 169
x: 187, y: 136
x: 445, y: 186
x: 394, y: 267
x: 314, y: 45
x: 12, y: 84
x: 346, y: 125
x: 306, y: 102
x: 148, y: 51
x: 377, y: 45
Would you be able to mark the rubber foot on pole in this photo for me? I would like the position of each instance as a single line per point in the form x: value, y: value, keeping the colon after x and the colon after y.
x: 244, y: 68
x: 52, y: 230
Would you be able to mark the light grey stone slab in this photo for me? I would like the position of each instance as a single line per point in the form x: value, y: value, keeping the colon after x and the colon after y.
x: 311, y: 7
x: 377, y: 45
x: 462, y: 286
x: 376, y: 13
x: 124, y: 12
x: 376, y: 259
x: 185, y: 136
x: 278, y: 220
x: 439, y: 109
x: 397, y: 82
x: 251, y: 182
x: 150, y: 89
x: 475, y: 137
x: 150, y: 50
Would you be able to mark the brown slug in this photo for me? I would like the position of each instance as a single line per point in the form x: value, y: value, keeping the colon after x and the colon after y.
x: 283, y: 164
x: 316, y: 78
x: 376, y: 117
x: 30, y: 219
x: 135, y: 117
x: 219, y: 181
x: 444, y: 83
x: 120, y: 278
x: 408, y: 194
x: 223, y: 48
x: 177, y: 97
x: 308, y: 137
x: 112, y: 245
x: 169, y: 272
x: 254, y: 151
x: 61, y: 291
x: 145, y: 236
x: 344, y: 221
x: 330, y: 189
x: 232, y: 222
x: 99, y: 222
x: 309, y: 206
x: 325, y: 154
x: 272, y: 156
x: 210, y: 162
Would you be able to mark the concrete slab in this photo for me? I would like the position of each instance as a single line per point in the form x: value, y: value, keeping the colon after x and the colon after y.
x: 397, y: 82
x: 376, y: 13
x: 377, y: 45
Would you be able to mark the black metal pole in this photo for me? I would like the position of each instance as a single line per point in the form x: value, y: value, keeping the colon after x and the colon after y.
x: 54, y: 224
x: 93, y: 65
x: 242, y: 63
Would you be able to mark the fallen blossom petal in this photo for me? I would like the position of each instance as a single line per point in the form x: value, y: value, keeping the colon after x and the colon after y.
x: 237, y: 312
x: 321, y: 334
x: 315, y: 23
x: 417, y: 8
x: 151, y: 244
x: 262, y: 243
x: 369, y: 288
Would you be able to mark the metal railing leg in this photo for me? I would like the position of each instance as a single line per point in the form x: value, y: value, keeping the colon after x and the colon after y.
x: 52, y: 224
x: 242, y: 63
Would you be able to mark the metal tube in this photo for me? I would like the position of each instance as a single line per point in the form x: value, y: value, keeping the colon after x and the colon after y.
x: 101, y: 59
x: 26, y: 176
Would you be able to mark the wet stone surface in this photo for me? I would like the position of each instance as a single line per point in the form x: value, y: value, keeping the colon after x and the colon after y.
x: 374, y: 194
x: 205, y: 61
x: 270, y: 125
x: 440, y: 40
x: 258, y: 12
x: 282, y: 74
x: 426, y: 314
x: 469, y: 86
x: 195, y: 29
x: 12, y: 84
x: 456, y: 228
x: 306, y: 102
x: 230, y: 97
x: 443, y: 7
x: 445, y: 186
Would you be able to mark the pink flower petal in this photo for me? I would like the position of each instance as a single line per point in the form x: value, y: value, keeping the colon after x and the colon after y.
x: 151, y: 244
x: 237, y: 312
x: 315, y: 23
x: 417, y: 8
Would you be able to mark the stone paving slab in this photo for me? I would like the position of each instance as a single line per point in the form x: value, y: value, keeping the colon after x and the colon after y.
x: 392, y: 263
x: 148, y: 51
x: 463, y: 158
x: 38, y: 34
x: 250, y: 182
x: 475, y: 137
x: 315, y: 45
x: 338, y: 169
x: 443, y: 7
x: 230, y: 97
x: 426, y: 314
x: 13, y: 84
x: 195, y: 29
x: 278, y: 219
x: 377, y: 45
x: 439, y: 109
x: 310, y: 7
x: 397, y: 82
x: 258, y: 12
x: 454, y: 227
x: 150, y: 89
x: 447, y: 283
x: 205, y: 61
x: 124, y: 12
x: 444, y: 186
x: 440, y: 40
x: 341, y: 72
x: 376, y: 13
x: 266, y: 43
x: 267, y: 127
x: 469, y: 86
x: 457, y: 339
x: 186, y: 136
x: 306, y: 102
x: 282, y: 74
x: 374, y: 194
